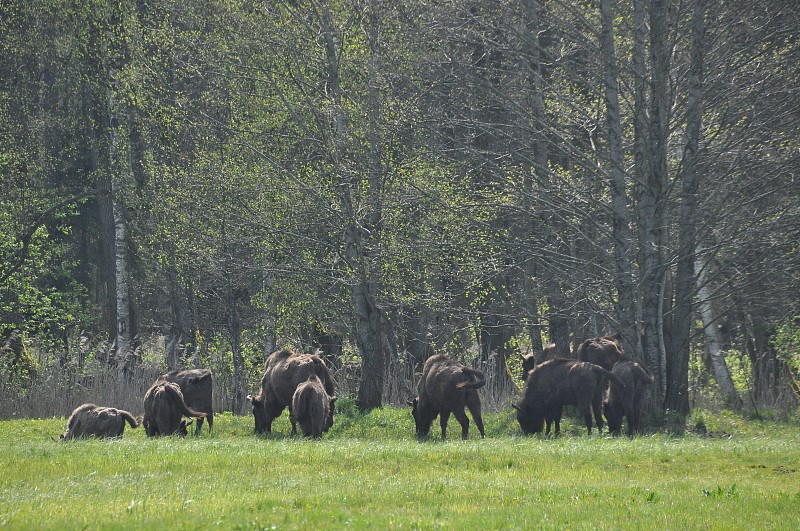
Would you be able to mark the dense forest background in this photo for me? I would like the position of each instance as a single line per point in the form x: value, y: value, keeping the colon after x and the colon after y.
x: 200, y: 182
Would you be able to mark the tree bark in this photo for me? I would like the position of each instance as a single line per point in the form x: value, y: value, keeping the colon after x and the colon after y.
x: 621, y: 229
x: 713, y: 340
x: 364, y: 286
x: 677, y: 392
x: 651, y: 179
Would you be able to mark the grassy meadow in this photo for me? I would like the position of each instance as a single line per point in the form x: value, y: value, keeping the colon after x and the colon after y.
x: 370, y: 471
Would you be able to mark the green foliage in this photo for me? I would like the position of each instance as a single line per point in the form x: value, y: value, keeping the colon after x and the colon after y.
x: 786, y: 342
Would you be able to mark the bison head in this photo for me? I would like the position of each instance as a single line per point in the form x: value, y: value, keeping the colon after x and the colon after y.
x: 530, y: 419
x: 259, y: 413
x: 182, y: 429
x: 423, y: 417
x: 528, y: 363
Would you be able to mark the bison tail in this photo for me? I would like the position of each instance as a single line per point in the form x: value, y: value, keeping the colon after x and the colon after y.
x: 608, y: 374
x: 642, y: 374
x: 134, y: 422
x: 185, y: 410
x: 477, y: 380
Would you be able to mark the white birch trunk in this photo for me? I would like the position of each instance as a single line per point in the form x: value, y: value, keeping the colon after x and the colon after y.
x: 713, y: 341
x: 119, y: 168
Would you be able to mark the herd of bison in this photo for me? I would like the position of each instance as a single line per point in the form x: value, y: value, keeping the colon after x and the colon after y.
x: 602, y: 381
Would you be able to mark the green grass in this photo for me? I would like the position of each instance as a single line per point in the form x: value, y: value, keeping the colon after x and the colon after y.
x: 370, y: 472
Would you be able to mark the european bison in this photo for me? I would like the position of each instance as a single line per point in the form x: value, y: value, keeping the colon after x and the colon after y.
x: 604, y: 351
x: 90, y: 420
x: 164, y: 408
x: 628, y: 400
x: 284, y: 371
x: 311, y: 406
x: 530, y: 360
x: 559, y: 382
x: 198, y: 393
x: 447, y: 387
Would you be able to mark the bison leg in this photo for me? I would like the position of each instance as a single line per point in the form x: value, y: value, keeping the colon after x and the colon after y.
x: 557, y: 419
x: 474, y: 406
x: 198, y: 427
x: 554, y: 417
x: 462, y: 419
x: 274, y: 412
x: 597, y: 407
x: 444, y: 416
x: 586, y: 412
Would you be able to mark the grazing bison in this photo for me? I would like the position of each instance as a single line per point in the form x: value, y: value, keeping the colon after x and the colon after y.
x: 284, y: 371
x: 197, y: 388
x: 164, y: 408
x: 559, y: 382
x: 628, y: 400
x: 90, y: 420
x: 311, y: 406
x: 604, y: 351
x: 447, y: 387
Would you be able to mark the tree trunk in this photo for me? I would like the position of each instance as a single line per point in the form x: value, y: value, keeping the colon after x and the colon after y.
x: 677, y: 393
x: 364, y: 287
x: 713, y: 340
x: 621, y: 230
x: 119, y: 167
x: 651, y: 193
x: 234, y: 328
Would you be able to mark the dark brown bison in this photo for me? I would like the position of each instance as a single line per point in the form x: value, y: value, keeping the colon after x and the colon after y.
x: 90, y: 420
x: 557, y: 383
x: 284, y: 371
x: 447, y: 387
x: 164, y: 408
x: 604, y: 351
x: 531, y: 360
x: 197, y: 386
x: 628, y: 400
x: 311, y: 406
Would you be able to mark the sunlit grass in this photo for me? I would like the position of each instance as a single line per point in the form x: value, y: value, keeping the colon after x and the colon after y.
x: 371, y: 472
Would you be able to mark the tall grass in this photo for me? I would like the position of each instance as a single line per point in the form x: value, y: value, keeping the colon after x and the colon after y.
x: 370, y: 472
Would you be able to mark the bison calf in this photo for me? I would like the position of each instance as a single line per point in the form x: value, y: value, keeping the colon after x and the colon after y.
x: 628, y: 400
x: 198, y: 393
x: 284, y: 371
x: 557, y: 383
x: 311, y: 406
x: 90, y: 420
x: 604, y: 351
x: 164, y: 408
x: 447, y: 387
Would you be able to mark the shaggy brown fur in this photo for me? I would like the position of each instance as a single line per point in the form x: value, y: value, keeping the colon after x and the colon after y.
x: 447, y: 387
x: 197, y: 386
x: 559, y: 382
x: 604, y: 351
x: 627, y: 401
x: 90, y: 420
x: 310, y: 406
x: 530, y: 361
x: 284, y: 371
x: 163, y: 408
